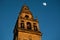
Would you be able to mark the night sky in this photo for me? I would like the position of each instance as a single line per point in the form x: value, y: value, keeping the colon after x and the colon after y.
x: 48, y: 17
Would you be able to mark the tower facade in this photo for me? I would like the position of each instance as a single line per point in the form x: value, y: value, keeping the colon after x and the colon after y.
x: 26, y: 27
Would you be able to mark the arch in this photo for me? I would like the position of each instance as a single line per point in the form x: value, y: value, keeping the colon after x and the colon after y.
x: 22, y: 21
x: 29, y: 26
x: 26, y: 16
x: 35, y: 27
x: 22, y: 25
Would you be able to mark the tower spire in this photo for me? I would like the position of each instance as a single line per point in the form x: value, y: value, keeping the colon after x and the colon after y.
x: 25, y: 10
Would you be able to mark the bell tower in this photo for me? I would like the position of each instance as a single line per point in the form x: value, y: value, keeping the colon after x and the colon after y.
x: 26, y: 27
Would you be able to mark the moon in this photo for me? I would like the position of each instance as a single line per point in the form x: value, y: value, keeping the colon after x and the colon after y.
x: 44, y: 4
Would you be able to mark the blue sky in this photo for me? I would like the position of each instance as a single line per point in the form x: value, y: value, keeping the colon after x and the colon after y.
x: 48, y: 16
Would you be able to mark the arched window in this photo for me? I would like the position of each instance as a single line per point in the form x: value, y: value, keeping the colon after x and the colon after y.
x: 22, y: 25
x: 22, y: 21
x: 26, y: 16
x: 35, y: 27
x: 29, y: 26
x: 26, y: 8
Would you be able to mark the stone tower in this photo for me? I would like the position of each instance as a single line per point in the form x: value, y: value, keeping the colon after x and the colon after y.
x: 26, y: 27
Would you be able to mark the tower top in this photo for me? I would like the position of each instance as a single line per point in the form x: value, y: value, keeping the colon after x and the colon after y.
x: 26, y: 26
x: 25, y: 7
x: 25, y: 11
